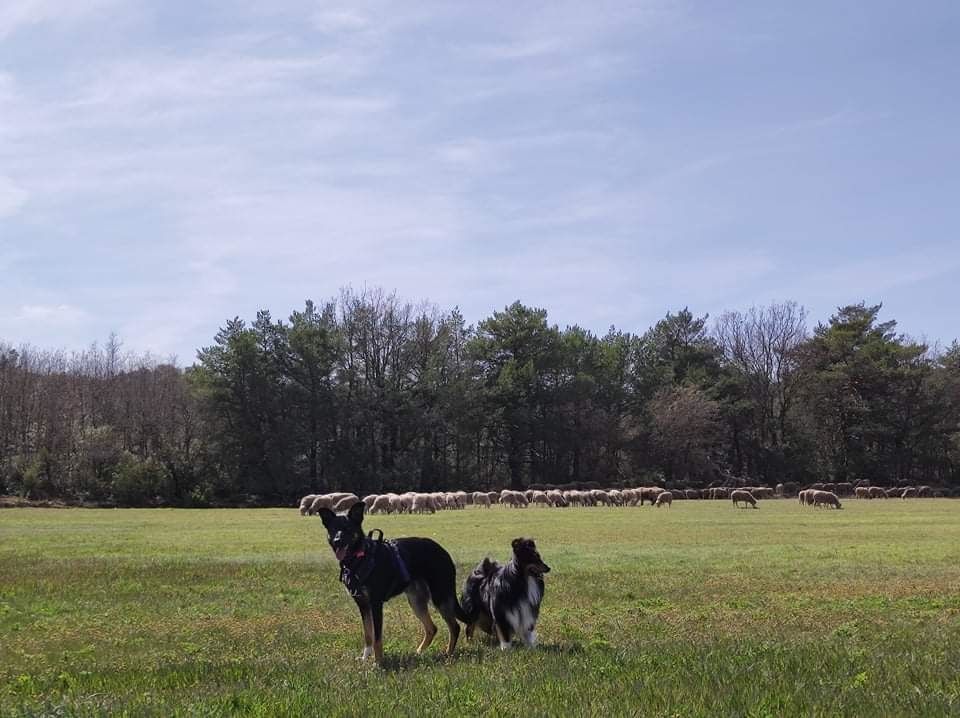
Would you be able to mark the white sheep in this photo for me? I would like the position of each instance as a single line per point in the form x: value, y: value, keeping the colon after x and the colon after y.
x: 665, y: 498
x: 481, y: 499
x: 740, y: 495
x: 541, y: 498
x: 826, y: 498
x: 345, y: 502
x: 422, y: 503
x: 323, y: 501
x: 381, y: 505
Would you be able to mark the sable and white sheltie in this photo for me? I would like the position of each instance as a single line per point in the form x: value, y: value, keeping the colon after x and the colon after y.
x: 506, y: 599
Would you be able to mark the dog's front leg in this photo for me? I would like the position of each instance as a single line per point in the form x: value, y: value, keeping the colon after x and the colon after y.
x: 366, y: 615
x: 377, y: 610
x: 503, y: 635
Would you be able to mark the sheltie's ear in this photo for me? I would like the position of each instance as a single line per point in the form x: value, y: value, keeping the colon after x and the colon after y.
x: 355, y: 513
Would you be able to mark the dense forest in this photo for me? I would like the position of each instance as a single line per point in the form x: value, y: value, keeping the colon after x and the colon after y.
x: 370, y: 393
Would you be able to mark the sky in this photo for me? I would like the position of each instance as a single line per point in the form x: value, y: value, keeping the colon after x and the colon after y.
x: 168, y: 165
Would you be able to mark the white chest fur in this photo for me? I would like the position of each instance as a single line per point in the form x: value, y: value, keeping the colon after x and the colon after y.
x: 521, y: 617
x: 533, y: 591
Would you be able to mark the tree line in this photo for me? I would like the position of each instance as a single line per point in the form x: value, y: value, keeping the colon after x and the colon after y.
x: 371, y: 393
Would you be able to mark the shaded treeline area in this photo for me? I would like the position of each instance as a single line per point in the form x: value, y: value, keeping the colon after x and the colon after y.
x: 370, y: 393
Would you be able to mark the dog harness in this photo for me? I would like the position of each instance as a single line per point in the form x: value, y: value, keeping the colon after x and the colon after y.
x: 356, y: 568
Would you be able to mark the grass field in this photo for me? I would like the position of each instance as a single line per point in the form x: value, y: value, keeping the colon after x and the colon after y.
x: 698, y: 610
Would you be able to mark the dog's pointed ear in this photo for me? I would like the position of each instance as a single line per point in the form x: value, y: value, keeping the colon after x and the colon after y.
x: 326, y: 515
x: 355, y: 513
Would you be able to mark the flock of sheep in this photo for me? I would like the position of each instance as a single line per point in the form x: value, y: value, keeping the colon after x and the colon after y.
x: 417, y: 503
x: 411, y: 502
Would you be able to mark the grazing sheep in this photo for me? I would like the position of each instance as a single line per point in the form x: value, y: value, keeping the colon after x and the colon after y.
x: 368, y: 501
x: 481, y: 499
x: 321, y: 502
x: 575, y: 497
x: 556, y: 498
x: 693, y: 494
x: 381, y: 505
x: 741, y: 495
x: 826, y: 498
x: 649, y: 493
x: 494, y: 497
x: 909, y: 493
x: 516, y: 499
x: 600, y: 497
x: 876, y: 492
x: 345, y: 502
x: 893, y: 492
x: 305, y: 503
x: 540, y: 498
x: 924, y: 491
x: 664, y: 498
x: 422, y: 504
x: 861, y: 492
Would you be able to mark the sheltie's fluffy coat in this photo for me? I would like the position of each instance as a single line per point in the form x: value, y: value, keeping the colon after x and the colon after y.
x: 505, y: 600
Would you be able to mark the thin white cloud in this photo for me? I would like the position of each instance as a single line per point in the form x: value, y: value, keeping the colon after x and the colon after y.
x: 519, y: 50
x: 16, y: 15
x: 875, y: 275
x: 48, y: 314
x: 12, y: 197
x: 337, y: 21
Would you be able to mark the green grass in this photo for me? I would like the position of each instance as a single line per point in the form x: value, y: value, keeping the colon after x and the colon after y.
x: 698, y: 610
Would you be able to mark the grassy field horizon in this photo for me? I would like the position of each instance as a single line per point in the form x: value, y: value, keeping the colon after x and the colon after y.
x: 699, y: 609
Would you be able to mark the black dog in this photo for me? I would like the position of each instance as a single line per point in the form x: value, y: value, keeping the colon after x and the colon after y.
x: 506, y: 599
x: 375, y: 571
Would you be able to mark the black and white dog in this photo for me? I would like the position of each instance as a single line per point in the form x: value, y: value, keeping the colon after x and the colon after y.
x: 375, y: 571
x: 506, y: 599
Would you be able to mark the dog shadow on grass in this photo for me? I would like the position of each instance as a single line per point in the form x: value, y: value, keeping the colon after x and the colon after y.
x: 474, y: 653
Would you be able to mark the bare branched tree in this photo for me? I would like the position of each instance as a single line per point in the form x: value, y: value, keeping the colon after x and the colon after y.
x: 761, y: 343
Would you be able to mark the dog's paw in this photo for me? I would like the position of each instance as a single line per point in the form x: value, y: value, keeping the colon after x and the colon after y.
x: 367, y: 652
x: 504, y: 645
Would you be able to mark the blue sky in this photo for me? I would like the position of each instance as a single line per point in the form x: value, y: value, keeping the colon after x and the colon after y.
x: 165, y: 166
